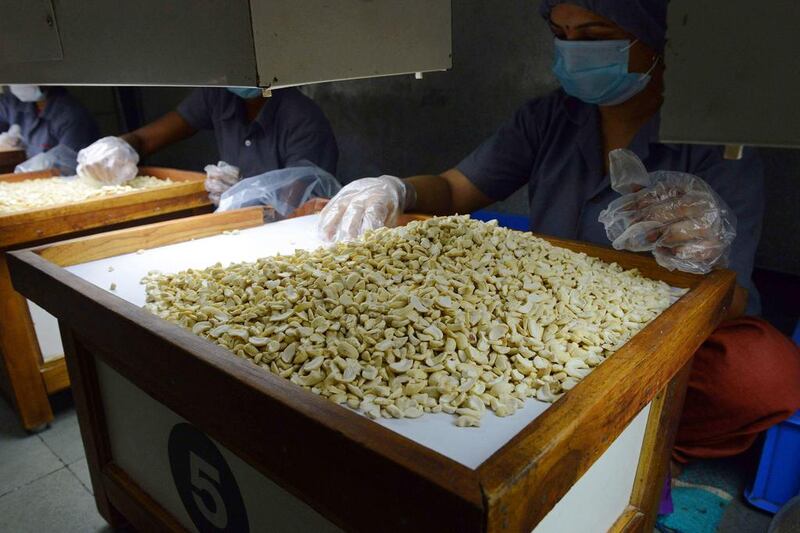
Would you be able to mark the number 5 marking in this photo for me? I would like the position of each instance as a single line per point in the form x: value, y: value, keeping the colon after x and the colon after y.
x: 205, y: 478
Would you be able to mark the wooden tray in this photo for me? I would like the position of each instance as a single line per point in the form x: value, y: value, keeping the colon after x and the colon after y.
x: 352, y: 471
x: 26, y: 227
x: 9, y: 159
x: 24, y: 376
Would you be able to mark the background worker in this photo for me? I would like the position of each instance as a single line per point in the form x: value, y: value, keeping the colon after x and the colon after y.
x: 254, y: 134
x: 37, y: 118
x: 608, y: 59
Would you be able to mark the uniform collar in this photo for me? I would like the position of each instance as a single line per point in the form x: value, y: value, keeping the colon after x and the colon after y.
x: 586, y: 119
x: 236, y: 110
x: 581, y: 114
x: 54, y: 96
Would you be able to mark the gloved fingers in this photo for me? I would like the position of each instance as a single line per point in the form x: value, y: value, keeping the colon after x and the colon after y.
x: 229, y: 178
x: 110, y: 160
x: 656, y: 195
x: 330, y: 217
x: 223, y: 172
x: 697, y: 257
x: 619, y: 214
x: 10, y: 141
x: 627, y: 172
x: 351, y: 222
x: 96, y: 173
x: 678, y: 208
x: 704, y: 228
x: 363, y: 204
x: 380, y: 214
x: 637, y: 237
x: 216, y: 186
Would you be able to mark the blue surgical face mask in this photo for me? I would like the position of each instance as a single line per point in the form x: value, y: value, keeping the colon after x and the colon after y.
x: 27, y: 93
x: 245, y: 92
x: 597, y: 71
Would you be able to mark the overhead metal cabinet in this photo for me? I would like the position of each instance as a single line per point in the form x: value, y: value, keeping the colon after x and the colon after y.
x: 269, y: 43
x: 732, y: 73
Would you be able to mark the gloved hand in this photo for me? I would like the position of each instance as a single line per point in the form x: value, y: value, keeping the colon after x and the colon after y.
x: 364, y: 204
x: 220, y: 178
x: 109, y: 160
x: 12, y: 139
x: 675, y: 215
x: 61, y: 158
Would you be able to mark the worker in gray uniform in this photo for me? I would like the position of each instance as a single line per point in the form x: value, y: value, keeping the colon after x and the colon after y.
x: 609, y: 62
x: 37, y: 118
x: 254, y: 133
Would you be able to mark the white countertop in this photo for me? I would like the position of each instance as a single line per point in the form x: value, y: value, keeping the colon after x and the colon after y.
x: 469, y: 446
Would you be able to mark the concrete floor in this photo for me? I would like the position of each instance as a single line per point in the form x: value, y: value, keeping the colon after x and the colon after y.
x: 44, y: 481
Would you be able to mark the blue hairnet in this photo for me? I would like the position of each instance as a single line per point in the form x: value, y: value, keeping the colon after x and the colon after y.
x: 646, y: 19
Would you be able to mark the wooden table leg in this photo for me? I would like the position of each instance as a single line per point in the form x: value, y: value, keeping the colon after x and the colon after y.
x: 20, y: 355
x: 662, y: 425
x: 92, y: 421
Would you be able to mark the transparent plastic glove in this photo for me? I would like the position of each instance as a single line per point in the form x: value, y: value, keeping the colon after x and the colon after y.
x: 109, y: 160
x: 675, y: 215
x: 61, y: 158
x: 220, y: 178
x: 282, y: 190
x: 364, y: 204
x: 12, y: 139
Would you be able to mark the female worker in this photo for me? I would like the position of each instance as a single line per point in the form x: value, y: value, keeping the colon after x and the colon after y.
x: 746, y: 376
x: 254, y: 133
x: 44, y: 117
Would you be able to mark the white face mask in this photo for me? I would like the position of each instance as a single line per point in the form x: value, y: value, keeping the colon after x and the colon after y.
x: 27, y: 93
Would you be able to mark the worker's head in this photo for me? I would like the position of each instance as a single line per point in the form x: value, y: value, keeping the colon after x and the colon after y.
x: 606, y: 51
x: 28, y: 93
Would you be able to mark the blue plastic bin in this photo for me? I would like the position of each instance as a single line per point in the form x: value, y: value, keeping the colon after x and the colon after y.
x: 517, y: 222
x: 778, y: 477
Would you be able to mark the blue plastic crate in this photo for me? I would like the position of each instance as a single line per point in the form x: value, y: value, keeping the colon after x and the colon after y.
x: 778, y: 477
x: 517, y: 222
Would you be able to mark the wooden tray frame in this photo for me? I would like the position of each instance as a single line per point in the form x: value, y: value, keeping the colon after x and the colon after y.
x: 396, y: 482
x: 25, y: 378
x: 9, y: 159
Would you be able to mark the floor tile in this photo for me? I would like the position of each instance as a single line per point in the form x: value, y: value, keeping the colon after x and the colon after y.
x: 740, y: 517
x: 10, y: 426
x: 63, y: 437
x: 23, y: 457
x: 56, y: 502
x: 81, y: 471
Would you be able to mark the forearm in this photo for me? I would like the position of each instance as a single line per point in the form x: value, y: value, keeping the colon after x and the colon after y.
x: 434, y: 195
x: 144, y: 143
x: 152, y: 137
x: 135, y: 141
x: 447, y: 193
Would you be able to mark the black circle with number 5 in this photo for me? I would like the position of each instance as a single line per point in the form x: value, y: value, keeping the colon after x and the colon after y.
x: 205, y: 482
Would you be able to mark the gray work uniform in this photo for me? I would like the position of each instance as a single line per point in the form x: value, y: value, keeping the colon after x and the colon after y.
x: 288, y: 129
x: 554, y: 145
x: 64, y: 120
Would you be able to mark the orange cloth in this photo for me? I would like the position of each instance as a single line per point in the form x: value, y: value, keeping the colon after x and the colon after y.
x: 745, y: 378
